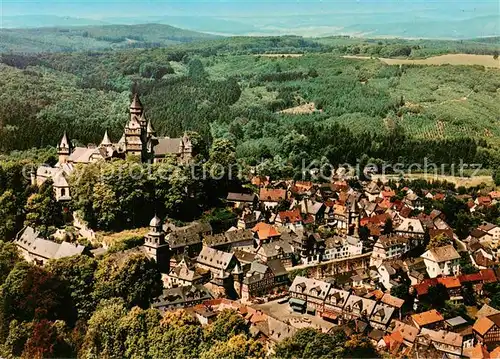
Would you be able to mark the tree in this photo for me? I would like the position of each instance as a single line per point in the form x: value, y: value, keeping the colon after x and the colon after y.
x: 452, y: 310
x: 48, y: 340
x: 496, y: 173
x: 237, y: 347
x: 43, y: 212
x: 131, y: 276
x: 31, y: 292
x: 463, y: 225
x: 359, y: 347
x: 9, y: 256
x: 8, y: 215
x: 103, y: 336
x: 400, y: 291
x: 154, y: 70
x: 196, y: 70
x: 310, y: 343
x: 438, y: 241
x: 77, y: 274
x: 437, y: 296
x: 388, y: 227
x: 227, y: 324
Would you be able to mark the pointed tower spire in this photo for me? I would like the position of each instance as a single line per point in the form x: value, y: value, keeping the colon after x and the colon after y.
x: 150, y: 130
x: 106, y: 142
x: 136, y: 106
x: 64, y: 149
x: 64, y: 144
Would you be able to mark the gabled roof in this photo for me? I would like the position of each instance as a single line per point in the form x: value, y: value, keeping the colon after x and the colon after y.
x: 408, y: 332
x: 426, y: 318
x: 312, y: 287
x: 272, y: 195
x: 265, y: 231
x: 486, y: 311
x: 392, y: 301
x: 241, y: 197
x: 443, y: 254
x: 483, y: 325
x: 215, y: 258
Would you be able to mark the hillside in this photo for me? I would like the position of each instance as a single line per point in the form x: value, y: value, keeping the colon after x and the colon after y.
x: 225, y: 89
x: 95, y: 38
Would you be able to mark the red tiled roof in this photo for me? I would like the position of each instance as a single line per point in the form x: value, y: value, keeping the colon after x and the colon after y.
x: 449, y: 282
x: 438, y: 197
x: 474, y: 277
x: 274, y: 195
x: 265, y: 231
x: 429, y: 317
x: 488, y: 275
x: 422, y: 288
x: 388, y: 194
x: 292, y: 216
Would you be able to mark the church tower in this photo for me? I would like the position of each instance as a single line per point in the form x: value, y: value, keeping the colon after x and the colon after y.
x: 155, y: 245
x: 64, y: 149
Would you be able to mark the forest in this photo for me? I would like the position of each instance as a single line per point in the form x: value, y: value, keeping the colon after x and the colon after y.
x: 231, y: 89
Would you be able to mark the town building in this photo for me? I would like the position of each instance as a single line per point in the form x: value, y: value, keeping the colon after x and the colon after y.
x: 338, y: 247
x: 38, y: 250
x: 442, y: 261
x: 430, y: 319
x: 308, y: 294
x: 263, y: 279
x: 181, y: 297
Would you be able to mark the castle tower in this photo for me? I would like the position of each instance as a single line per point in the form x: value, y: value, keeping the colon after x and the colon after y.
x: 136, y: 106
x: 155, y: 245
x: 64, y: 149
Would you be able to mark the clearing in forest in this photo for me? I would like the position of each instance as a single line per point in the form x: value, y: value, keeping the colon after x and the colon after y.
x: 449, y: 59
x: 300, y: 110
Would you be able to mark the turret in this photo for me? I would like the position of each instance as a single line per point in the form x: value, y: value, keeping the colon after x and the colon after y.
x: 155, y: 245
x: 106, y: 142
x: 64, y: 149
x: 136, y: 106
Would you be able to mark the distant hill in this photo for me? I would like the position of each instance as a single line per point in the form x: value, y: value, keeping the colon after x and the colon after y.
x: 84, y: 38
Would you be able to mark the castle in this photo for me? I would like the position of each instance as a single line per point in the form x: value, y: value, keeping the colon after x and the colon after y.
x: 138, y: 140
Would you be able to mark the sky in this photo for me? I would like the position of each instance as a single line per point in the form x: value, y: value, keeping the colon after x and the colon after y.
x: 229, y: 8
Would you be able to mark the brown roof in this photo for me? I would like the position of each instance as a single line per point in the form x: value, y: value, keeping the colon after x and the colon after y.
x: 290, y: 216
x: 392, y: 301
x: 445, y: 253
x: 274, y: 195
x: 482, y: 325
x: 167, y: 145
x: 429, y: 317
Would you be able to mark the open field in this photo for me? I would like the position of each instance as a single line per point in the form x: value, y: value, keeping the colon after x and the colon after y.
x: 449, y: 59
x: 280, y: 55
x: 458, y: 181
x: 300, y: 110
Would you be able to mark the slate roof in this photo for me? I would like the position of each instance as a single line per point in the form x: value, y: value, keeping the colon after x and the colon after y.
x: 28, y: 239
x: 214, y: 258
x: 181, y: 296
x: 312, y: 287
x: 382, y: 314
